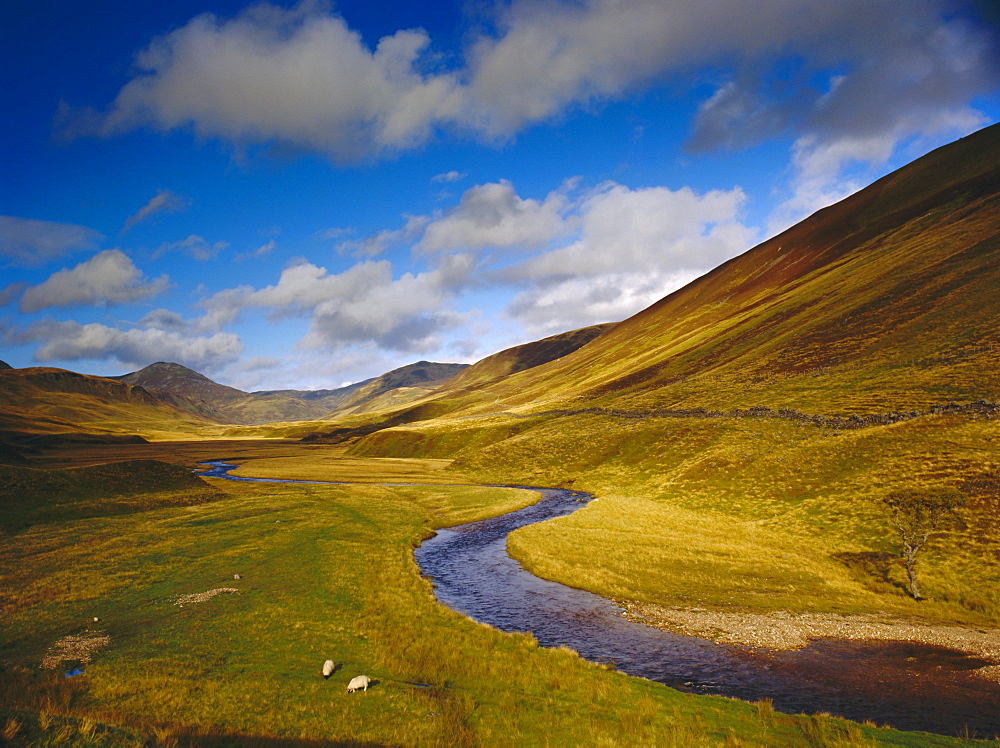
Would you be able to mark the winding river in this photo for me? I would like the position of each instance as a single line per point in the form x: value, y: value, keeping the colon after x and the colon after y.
x: 908, y: 686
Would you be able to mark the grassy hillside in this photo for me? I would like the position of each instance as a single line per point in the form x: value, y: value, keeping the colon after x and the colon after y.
x: 30, y: 496
x: 45, y: 401
x: 397, y: 387
x: 175, y: 650
x: 748, y: 425
x: 527, y: 356
x: 885, y: 301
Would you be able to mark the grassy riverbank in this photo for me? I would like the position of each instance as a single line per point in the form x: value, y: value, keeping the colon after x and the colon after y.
x: 760, y: 513
x: 325, y: 572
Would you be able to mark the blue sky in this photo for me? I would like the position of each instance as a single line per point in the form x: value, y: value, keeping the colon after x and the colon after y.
x: 309, y: 194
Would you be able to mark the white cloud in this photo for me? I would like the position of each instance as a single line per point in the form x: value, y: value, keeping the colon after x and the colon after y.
x: 164, y: 201
x: 164, y: 319
x: 448, y: 176
x: 195, y: 247
x: 300, y: 76
x: 363, y: 303
x: 578, y: 302
x: 633, y: 248
x: 593, y: 256
x: 405, y: 314
x: 826, y: 171
x: 70, y: 341
x: 493, y: 216
x: 108, y: 278
x: 28, y: 243
x: 337, y: 232
x: 624, y: 230
x: 10, y: 292
x: 381, y: 241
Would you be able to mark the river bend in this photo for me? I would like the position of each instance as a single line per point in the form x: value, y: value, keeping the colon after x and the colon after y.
x: 908, y: 686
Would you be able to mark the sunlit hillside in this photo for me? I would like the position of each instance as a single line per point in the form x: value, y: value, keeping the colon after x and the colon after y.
x: 886, y: 301
x: 44, y: 401
x: 740, y: 435
x: 748, y: 425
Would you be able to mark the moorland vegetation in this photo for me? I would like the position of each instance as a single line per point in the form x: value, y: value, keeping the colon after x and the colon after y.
x: 743, y: 435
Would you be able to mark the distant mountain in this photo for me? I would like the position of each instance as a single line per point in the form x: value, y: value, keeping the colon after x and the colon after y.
x: 5, y: 365
x: 169, y: 397
x: 41, y: 400
x: 397, y: 387
x: 197, y: 393
x: 180, y: 380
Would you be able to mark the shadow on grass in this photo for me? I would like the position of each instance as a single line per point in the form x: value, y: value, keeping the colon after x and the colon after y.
x: 872, y: 568
x: 234, y: 739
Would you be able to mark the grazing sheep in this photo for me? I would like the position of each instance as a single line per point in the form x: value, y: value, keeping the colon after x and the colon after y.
x: 358, y: 682
x: 328, y: 668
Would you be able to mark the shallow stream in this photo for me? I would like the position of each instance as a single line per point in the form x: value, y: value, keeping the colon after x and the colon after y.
x: 908, y: 686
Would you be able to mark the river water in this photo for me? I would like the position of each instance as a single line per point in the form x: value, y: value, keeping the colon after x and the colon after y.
x: 907, y: 686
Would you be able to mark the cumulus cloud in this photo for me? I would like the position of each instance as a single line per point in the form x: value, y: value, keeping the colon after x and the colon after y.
x: 824, y: 171
x: 164, y: 319
x: 578, y: 302
x: 363, y: 303
x: 494, y: 216
x: 381, y: 241
x: 108, y: 278
x: 262, y: 251
x: 27, y: 242
x: 9, y: 294
x: 164, y: 201
x: 632, y: 248
x: 406, y: 314
x: 577, y: 256
x: 71, y: 341
x: 302, y: 77
x: 299, y: 76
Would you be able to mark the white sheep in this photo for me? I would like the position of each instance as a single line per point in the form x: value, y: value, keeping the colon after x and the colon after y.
x: 328, y: 668
x: 358, y: 682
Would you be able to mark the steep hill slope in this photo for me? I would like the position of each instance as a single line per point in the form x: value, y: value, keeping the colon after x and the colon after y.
x: 743, y: 431
x: 527, y: 356
x: 888, y: 300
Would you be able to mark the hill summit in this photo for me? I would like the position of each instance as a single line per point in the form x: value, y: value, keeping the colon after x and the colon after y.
x: 180, y: 380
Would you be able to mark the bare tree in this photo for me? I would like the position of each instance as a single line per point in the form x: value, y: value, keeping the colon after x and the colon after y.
x: 919, y: 515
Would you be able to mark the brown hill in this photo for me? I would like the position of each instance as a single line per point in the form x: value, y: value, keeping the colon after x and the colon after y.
x: 527, y: 356
x: 197, y: 393
x: 397, y: 387
x: 42, y: 400
x: 744, y: 432
x: 887, y: 300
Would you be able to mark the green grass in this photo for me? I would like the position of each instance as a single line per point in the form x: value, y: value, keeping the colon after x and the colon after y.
x: 327, y: 572
x: 30, y: 496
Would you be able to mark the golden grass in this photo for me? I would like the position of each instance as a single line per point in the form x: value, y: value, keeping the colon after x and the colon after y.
x: 326, y: 572
x: 756, y: 512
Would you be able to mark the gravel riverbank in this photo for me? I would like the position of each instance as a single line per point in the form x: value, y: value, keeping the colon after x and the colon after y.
x: 782, y: 630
